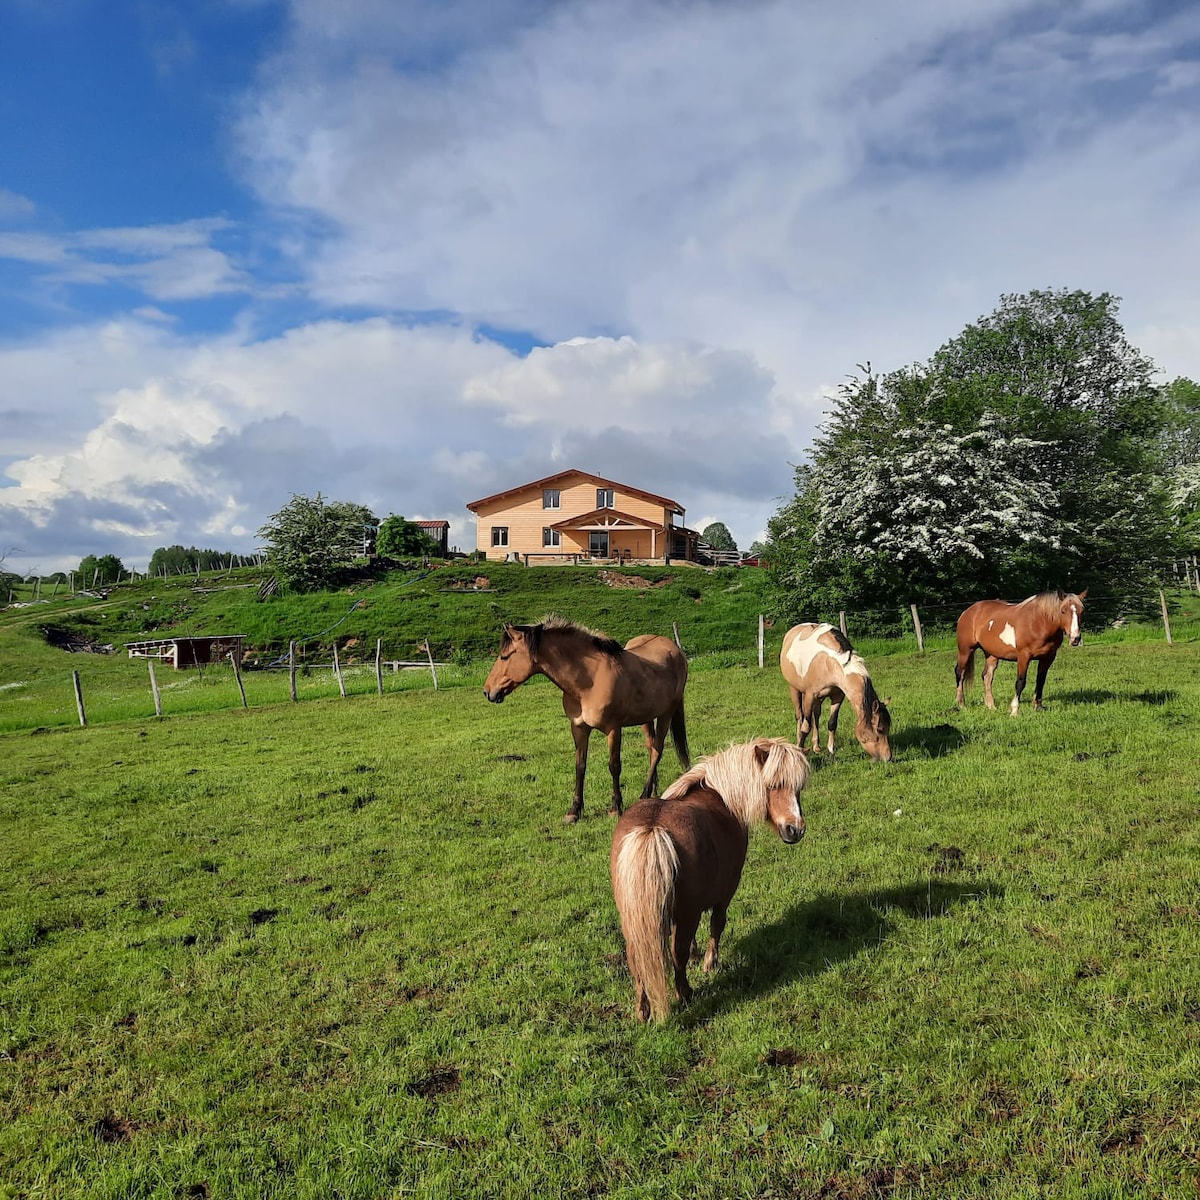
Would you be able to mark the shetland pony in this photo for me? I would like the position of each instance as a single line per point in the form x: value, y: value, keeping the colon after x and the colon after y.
x: 818, y: 661
x: 1035, y: 628
x: 675, y: 858
x: 605, y: 686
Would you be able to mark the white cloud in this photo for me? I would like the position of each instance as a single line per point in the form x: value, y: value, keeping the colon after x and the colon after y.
x: 413, y: 420
x: 166, y: 262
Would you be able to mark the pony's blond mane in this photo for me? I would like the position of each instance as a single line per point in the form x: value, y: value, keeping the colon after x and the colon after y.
x: 1049, y: 604
x: 736, y: 775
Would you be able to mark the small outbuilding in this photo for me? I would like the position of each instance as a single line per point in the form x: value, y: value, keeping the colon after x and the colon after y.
x: 183, y: 652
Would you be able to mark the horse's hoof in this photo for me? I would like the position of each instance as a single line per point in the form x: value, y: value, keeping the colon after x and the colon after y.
x: 615, y: 812
x: 570, y: 818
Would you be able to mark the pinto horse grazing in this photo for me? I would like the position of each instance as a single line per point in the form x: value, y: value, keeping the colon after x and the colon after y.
x: 818, y: 661
x: 605, y: 686
x: 1032, y: 629
x: 673, y: 859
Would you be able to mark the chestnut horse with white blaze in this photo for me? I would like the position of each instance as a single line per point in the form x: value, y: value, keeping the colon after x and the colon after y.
x: 1035, y: 628
x: 818, y: 662
x: 674, y: 859
x: 605, y: 686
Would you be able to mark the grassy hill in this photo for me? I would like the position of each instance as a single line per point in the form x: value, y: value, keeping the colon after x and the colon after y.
x: 458, y: 608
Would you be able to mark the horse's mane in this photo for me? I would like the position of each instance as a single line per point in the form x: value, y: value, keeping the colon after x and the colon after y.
x: 737, y: 777
x: 870, y: 697
x: 1049, y: 604
x: 552, y: 623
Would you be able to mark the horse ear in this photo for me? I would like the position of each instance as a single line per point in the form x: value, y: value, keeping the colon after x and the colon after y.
x: 1083, y: 594
x: 762, y: 751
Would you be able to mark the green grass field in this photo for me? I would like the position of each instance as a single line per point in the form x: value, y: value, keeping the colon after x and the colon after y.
x: 345, y: 948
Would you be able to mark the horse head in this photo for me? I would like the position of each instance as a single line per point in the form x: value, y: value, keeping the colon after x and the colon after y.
x: 514, y: 664
x: 1072, y: 610
x: 873, y: 729
x: 784, y: 770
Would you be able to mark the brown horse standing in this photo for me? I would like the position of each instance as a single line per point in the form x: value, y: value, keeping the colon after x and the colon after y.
x: 675, y: 858
x: 605, y: 686
x: 1032, y: 629
x: 818, y: 662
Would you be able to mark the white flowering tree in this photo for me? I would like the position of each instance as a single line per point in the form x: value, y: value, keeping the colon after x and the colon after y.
x: 1025, y: 455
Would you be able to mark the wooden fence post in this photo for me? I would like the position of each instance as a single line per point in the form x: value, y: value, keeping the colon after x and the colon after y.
x: 842, y: 622
x: 917, y: 627
x: 292, y: 668
x: 337, y: 670
x: 237, y: 674
x: 154, y: 689
x: 79, y: 698
x: 1162, y: 599
x: 379, y: 665
x: 675, y: 630
x: 760, y: 641
x: 432, y: 668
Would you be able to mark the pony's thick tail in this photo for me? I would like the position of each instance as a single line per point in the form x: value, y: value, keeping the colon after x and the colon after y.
x: 679, y: 737
x: 644, y: 889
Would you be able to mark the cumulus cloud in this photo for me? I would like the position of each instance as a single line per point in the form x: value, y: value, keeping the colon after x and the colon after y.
x: 411, y: 420
x: 768, y: 176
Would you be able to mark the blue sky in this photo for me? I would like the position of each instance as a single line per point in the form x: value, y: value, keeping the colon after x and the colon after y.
x: 411, y: 254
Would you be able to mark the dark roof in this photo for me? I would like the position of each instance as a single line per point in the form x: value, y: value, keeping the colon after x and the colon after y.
x: 673, y: 505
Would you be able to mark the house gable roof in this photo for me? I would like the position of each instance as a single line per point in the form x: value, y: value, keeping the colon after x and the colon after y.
x: 550, y: 480
x: 606, y: 518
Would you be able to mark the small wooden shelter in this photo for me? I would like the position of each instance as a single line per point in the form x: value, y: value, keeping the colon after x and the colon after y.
x: 183, y: 652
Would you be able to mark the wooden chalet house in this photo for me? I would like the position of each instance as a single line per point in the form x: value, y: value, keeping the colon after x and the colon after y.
x: 576, y: 516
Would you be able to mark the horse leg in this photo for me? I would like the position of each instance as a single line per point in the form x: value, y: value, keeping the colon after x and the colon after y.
x: 989, y: 670
x: 1043, y: 671
x: 835, y: 706
x: 580, y: 733
x: 1022, y: 671
x: 716, y: 927
x: 801, y: 720
x: 815, y: 723
x: 614, y: 769
x: 656, y: 739
x: 681, y: 945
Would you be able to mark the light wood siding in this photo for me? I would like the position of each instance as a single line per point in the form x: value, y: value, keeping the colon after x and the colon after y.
x: 525, y: 518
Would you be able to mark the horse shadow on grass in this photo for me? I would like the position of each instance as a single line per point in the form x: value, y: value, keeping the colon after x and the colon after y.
x: 1104, y: 696
x: 811, y: 937
x: 929, y: 741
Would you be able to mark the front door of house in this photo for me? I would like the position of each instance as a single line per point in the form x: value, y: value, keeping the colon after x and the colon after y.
x: 598, y: 545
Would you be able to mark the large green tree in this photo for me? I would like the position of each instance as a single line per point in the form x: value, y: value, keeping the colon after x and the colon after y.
x: 311, y: 541
x: 1025, y: 454
x: 108, y: 568
x: 399, y: 538
x: 717, y: 535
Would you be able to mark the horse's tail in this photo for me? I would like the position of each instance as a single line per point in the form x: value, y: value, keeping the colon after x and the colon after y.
x: 644, y: 889
x: 679, y: 737
x: 967, y: 678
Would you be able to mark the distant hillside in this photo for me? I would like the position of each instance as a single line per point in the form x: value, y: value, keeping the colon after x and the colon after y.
x: 458, y: 607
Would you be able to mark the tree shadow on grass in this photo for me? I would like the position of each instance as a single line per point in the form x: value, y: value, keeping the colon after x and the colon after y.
x: 1105, y: 696
x: 812, y: 936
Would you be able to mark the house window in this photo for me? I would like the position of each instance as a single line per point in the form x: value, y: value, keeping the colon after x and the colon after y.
x: 604, y: 497
x: 499, y: 535
x: 551, y: 537
x: 551, y: 498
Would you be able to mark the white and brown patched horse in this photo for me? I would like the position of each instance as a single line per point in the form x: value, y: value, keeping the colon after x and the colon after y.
x: 604, y: 686
x: 676, y: 858
x: 1035, y: 628
x: 818, y: 662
